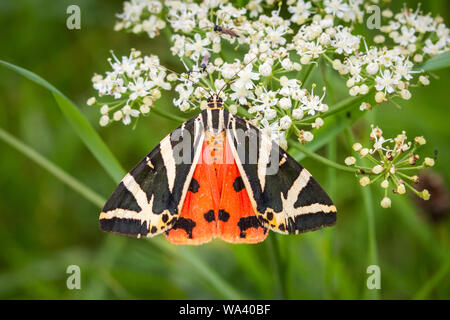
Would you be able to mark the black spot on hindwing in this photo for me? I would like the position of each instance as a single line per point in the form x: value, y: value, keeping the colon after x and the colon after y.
x: 186, y: 225
x: 223, y: 215
x: 209, y: 216
x: 194, y: 186
x: 238, y: 184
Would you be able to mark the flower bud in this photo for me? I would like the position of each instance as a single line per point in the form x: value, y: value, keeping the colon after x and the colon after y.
x: 377, y: 169
x: 380, y: 97
x: 350, y: 161
x: 425, y: 194
x: 424, y: 80
x: 144, y: 109
x: 372, y: 68
x: 401, y: 189
x: 354, y: 91
x: 357, y: 147
x: 406, y: 94
x: 386, y: 202
x: 420, y: 140
x: 364, y: 152
x: 429, y: 162
x: 90, y: 101
x: 364, y: 181
x: 104, y: 120
x: 117, y: 115
x: 385, y: 184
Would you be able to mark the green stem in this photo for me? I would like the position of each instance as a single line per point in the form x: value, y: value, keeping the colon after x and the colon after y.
x: 372, y: 247
x: 52, y: 168
x: 308, y: 73
x: 324, y: 160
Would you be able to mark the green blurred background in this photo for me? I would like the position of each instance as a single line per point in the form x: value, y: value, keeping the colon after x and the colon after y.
x: 45, y: 226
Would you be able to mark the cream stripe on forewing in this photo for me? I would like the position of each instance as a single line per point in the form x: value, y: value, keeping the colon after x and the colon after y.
x: 263, y: 159
x: 292, y: 195
x: 169, y: 161
x: 136, y: 190
x: 199, y: 136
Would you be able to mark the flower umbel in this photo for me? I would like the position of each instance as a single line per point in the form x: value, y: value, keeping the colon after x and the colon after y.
x: 391, y: 163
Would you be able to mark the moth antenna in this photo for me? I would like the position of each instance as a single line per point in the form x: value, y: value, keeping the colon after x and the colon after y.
x: 234, y: 76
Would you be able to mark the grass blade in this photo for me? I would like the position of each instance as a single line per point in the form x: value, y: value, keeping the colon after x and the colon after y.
x: 441, y: 61
x: 52, y: 168
x: 79, y: 123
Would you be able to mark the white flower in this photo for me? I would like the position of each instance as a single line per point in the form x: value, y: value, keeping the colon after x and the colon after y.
x: 198, y: 46
x: 139, y: 88
x: 104, y: 120
x: 297, y: 113
x: 300, y: 12
x: 246, y: 77
x: 406, y: 36
x: 127, y: 112
x: 385, y: 82
x: 269, y: 114
x: 313, y: 104
x: 336, y: 7
x: 240, y: 93
x: 285, y: 122
x: 265, y: 69
x: 285, y: 103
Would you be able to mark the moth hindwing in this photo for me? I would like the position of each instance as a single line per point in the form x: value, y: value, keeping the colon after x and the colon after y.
x: 228, y: 180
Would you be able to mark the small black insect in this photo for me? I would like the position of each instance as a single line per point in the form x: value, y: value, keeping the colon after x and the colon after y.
x: 224, y: 30
x: 205, y: 61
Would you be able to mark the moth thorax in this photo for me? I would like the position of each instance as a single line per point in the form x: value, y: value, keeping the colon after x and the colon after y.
x: 214, y: 151
x: 215, y: 102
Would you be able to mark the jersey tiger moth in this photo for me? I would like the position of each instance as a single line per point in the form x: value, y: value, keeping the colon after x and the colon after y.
x: 221, y: 188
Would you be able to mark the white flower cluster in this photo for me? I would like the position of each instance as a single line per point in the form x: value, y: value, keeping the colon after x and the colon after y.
x: 275, y: 44
x: 134, y: 84
x: 416, y: 35
x: 391, y: 161
x: 141, y: 16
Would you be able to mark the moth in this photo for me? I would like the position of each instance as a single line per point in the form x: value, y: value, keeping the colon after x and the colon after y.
x: 217, y: 176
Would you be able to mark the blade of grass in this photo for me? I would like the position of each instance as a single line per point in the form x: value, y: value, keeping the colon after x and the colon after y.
x: 441, y: 61
x: 253, y: 268
x: 437, y: 278
x: 79, y: 123
x: 226, y: 290
x: 59, y: 173
x: 372, y: 246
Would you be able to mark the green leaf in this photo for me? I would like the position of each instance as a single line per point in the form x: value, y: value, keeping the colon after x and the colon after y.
x: 52, y: 168
x: 79, y: 123
x: 441, y: 61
